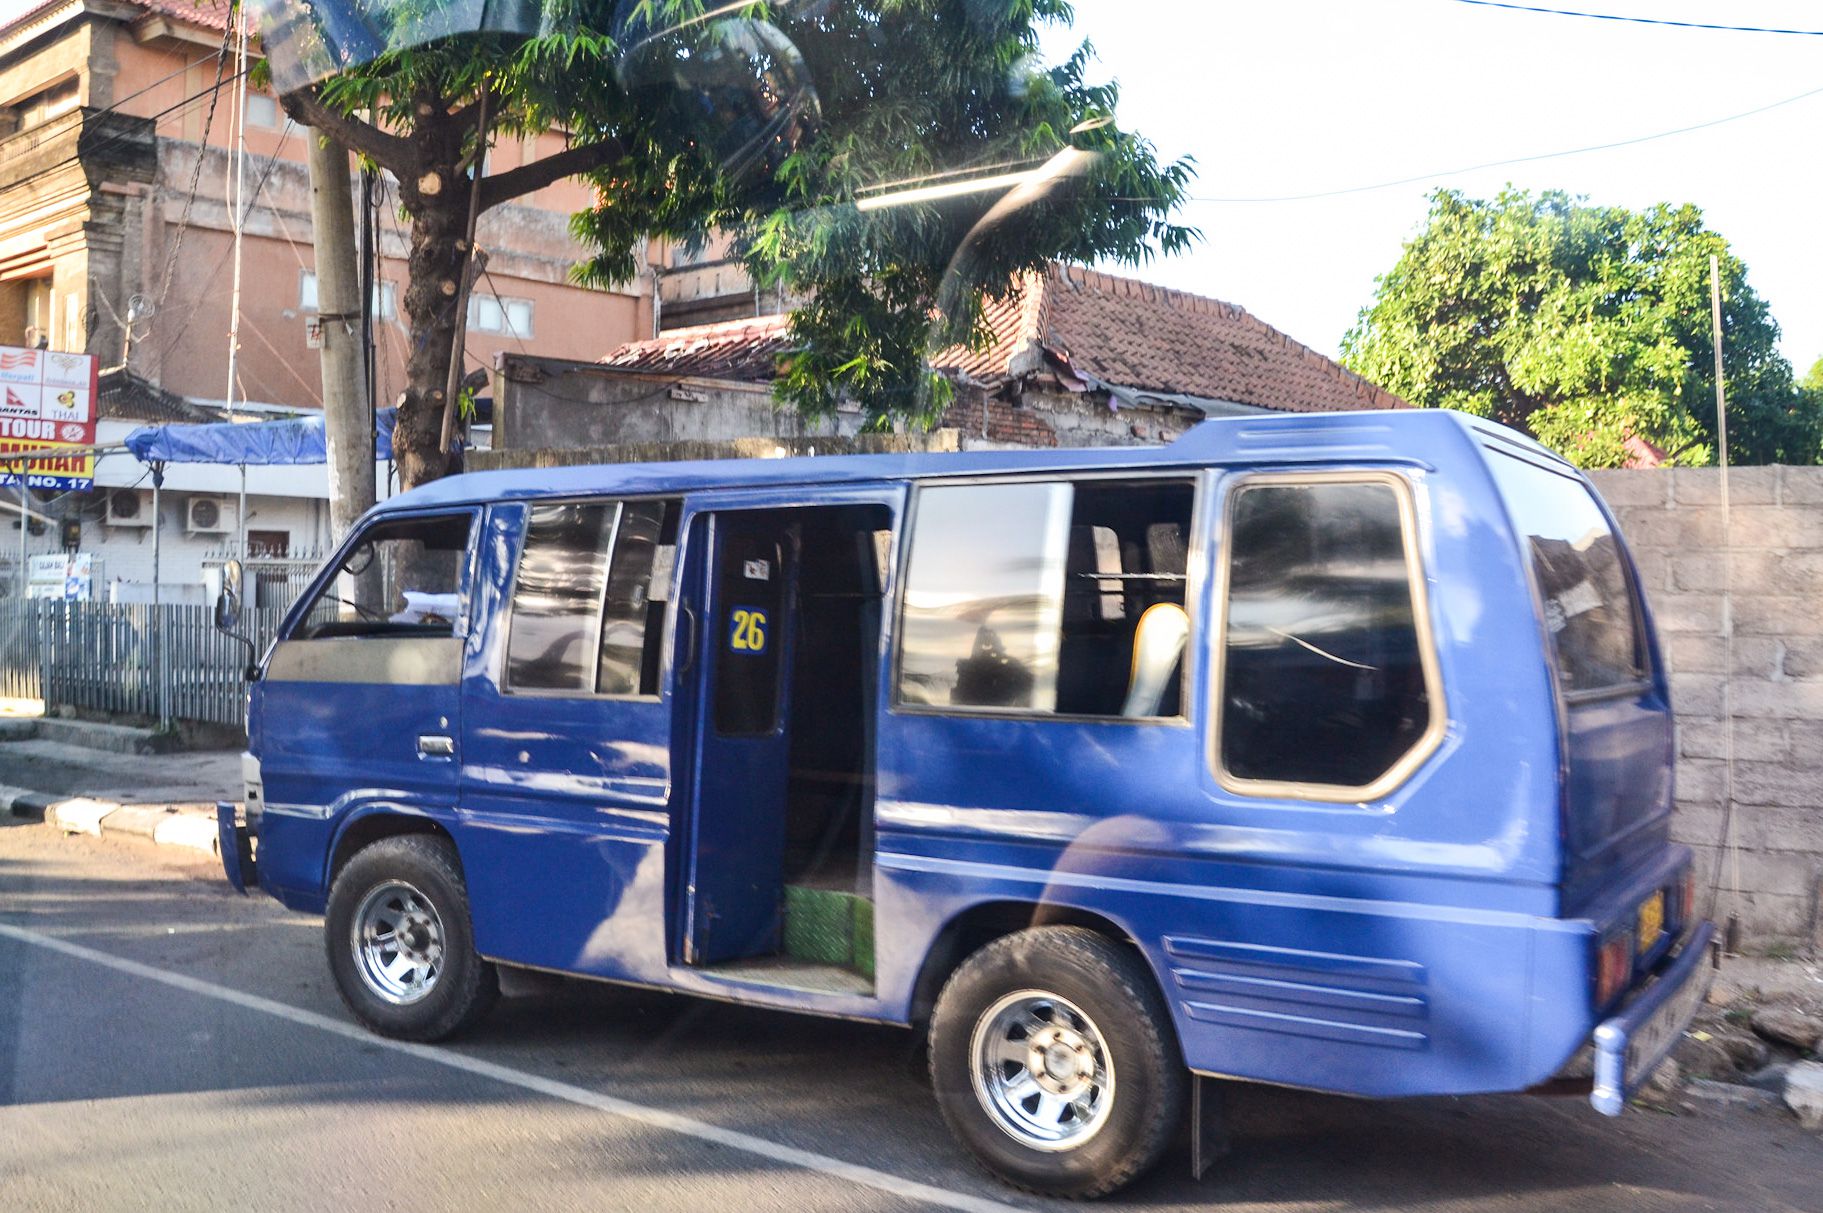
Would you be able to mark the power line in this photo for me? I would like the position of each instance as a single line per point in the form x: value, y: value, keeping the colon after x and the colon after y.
x: 1570, y: 12
x: 1473, y: 168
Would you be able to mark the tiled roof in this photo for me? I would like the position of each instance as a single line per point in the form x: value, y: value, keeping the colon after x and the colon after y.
x: 210, y: 14
x: 1080, y: 323
x: 742, y: 350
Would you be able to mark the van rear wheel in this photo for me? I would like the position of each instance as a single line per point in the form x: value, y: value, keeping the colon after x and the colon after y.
x: 400, y: 944
x: 1053, y: 1061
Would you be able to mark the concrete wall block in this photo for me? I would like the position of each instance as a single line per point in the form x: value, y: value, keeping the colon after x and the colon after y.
x: 1773, y: 872
x: 1680, y: 530
x: 1764, y: 526
x: 1700, y: 613
x: 1802, y: 657
x: 1761, y: 783
x: 1695, y: 653
x: 1801, y: 486
x: 1758, y: 657
x: 1806, y: 741
x: 1642, y: 486
x: 1755, y: 700
x: 1697, y: 695
x: 1779, y: 829
x: 1762, y: 741
x: 1702, y: 780
x: 1746, y: 486
x: 1654, y: 572
x: 1783, y: 615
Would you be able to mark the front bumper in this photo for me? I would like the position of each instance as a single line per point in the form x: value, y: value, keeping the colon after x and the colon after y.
x: 1630, y: 1045
x: 236, y: 848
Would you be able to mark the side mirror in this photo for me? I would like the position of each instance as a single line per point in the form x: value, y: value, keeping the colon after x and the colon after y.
x: 228, y: 602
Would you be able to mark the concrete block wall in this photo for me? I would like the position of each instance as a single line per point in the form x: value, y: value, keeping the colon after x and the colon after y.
x: 1763, y: 574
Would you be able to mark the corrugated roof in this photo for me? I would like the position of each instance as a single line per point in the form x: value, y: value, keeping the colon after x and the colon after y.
x: 1079, y: 322
x: 127, y: 397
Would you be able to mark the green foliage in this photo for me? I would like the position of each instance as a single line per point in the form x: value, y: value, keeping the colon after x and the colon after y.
x: 1586, y: 326
x: 907, y: 91
x: 773, y: 122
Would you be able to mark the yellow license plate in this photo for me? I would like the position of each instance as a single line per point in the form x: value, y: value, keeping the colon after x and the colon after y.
x: 1651, y: 920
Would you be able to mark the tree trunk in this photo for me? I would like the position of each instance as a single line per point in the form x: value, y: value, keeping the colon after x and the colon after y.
x: 438, y: 208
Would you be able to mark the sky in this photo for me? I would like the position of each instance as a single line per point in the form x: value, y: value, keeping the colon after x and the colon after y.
x: 1285, y: 97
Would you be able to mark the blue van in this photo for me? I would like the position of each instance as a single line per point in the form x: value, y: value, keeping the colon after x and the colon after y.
x: 1331, y: 751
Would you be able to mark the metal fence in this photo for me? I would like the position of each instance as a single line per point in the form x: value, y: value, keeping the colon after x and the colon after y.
x: 106, y: 657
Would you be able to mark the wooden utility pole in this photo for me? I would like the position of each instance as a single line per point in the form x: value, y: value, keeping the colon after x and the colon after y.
x: 347, y: 412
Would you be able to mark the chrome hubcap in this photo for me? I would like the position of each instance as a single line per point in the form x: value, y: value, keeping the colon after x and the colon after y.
x: 1042, y: 1071
x: 398, y: 943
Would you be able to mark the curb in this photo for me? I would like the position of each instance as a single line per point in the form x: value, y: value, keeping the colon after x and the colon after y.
x: 189, y: 827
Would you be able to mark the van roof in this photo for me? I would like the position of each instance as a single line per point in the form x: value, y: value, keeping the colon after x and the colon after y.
x: 1390, y: 436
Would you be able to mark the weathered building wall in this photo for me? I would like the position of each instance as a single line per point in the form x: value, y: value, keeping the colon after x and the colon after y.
x: 551, y: 402
x: 1763, y: 574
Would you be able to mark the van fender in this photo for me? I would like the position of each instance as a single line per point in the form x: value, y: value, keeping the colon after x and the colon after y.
x: 370, y: 815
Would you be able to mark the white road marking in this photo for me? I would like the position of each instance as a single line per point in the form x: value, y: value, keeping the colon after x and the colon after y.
x: 656, y: 1118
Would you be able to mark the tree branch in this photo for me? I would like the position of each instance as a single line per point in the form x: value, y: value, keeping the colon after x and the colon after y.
x: 388, y: 151
x: 518, y: 182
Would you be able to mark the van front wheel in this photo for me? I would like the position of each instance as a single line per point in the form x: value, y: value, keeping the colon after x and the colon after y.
x: 1052, y: 1057
x: 400, y: 944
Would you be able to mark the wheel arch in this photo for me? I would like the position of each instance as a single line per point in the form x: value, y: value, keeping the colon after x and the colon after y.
x: 374, y: 824
x: 982, y: 923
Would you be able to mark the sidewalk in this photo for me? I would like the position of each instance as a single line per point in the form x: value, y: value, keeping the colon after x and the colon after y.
x: 168, y: 798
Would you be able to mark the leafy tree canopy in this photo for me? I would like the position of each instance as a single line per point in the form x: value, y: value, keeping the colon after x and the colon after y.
x: 796, y: 126
x: 1587, y: 326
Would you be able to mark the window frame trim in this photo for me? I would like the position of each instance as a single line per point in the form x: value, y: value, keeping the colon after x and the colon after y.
x: 1401, y: 769
x: 501, y: 673
x: 1195, y: 580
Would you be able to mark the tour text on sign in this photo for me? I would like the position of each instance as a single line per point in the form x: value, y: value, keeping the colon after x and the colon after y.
x: 47, y: 405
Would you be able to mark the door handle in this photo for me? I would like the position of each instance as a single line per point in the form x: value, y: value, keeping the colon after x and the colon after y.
x: 434, y: 745
x: 687, y: 648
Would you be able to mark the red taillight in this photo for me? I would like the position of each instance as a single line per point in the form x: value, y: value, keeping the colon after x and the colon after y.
x: 1687, y: 898
x: 1613, y: 967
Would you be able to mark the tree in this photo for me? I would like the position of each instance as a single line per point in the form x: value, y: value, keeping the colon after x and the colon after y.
x: 1587, y: 326
x: 775, y: 123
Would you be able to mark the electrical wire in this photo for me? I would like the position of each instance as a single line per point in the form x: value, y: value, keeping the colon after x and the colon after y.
x: 1705, y: 25
x: 1474, y: 168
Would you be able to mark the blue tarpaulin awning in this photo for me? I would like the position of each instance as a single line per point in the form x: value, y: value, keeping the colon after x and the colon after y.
x: 258, y: 443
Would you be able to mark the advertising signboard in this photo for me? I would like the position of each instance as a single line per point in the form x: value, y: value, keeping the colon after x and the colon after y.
x: 47, y: 404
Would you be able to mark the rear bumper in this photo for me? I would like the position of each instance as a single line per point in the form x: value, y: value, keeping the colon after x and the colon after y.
x: 236, y: 849
x: 1631, y: 1044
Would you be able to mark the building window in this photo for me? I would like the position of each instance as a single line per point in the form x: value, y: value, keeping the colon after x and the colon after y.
x: 1056, y: 598
x: 385, y: 296
x: 1327, y: 680
x: 270, y: 544
x: 498, y: 314
x: 262, y: 110
x: 53, y: 102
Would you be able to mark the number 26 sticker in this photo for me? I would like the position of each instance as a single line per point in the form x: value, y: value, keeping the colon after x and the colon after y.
x: 749, y: 631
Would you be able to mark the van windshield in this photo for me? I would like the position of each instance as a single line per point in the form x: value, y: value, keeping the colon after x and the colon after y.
x: 1588, y: 597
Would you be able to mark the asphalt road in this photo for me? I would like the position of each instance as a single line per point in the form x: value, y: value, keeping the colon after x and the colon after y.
x: 165, y: 1044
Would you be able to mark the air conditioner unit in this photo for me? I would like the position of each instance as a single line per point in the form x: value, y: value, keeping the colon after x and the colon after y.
x: 206, y: 516
x: 128, y: 507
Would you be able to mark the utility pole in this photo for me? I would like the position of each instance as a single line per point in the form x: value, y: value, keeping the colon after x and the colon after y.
x: 346, y: 407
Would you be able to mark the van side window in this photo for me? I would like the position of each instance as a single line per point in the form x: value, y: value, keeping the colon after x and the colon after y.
x: 1323, y: 679
x: 1061, y: 598
x: 557, y: 596
x: 403, y: 577
x: 1589, y: 605
x: 587, y: 606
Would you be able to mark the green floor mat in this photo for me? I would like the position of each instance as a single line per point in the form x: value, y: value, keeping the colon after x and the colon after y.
x: 829, y: 927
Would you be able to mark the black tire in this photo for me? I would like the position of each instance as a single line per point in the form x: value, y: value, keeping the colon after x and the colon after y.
x: 464, y: 987
x: 1111, y: 986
